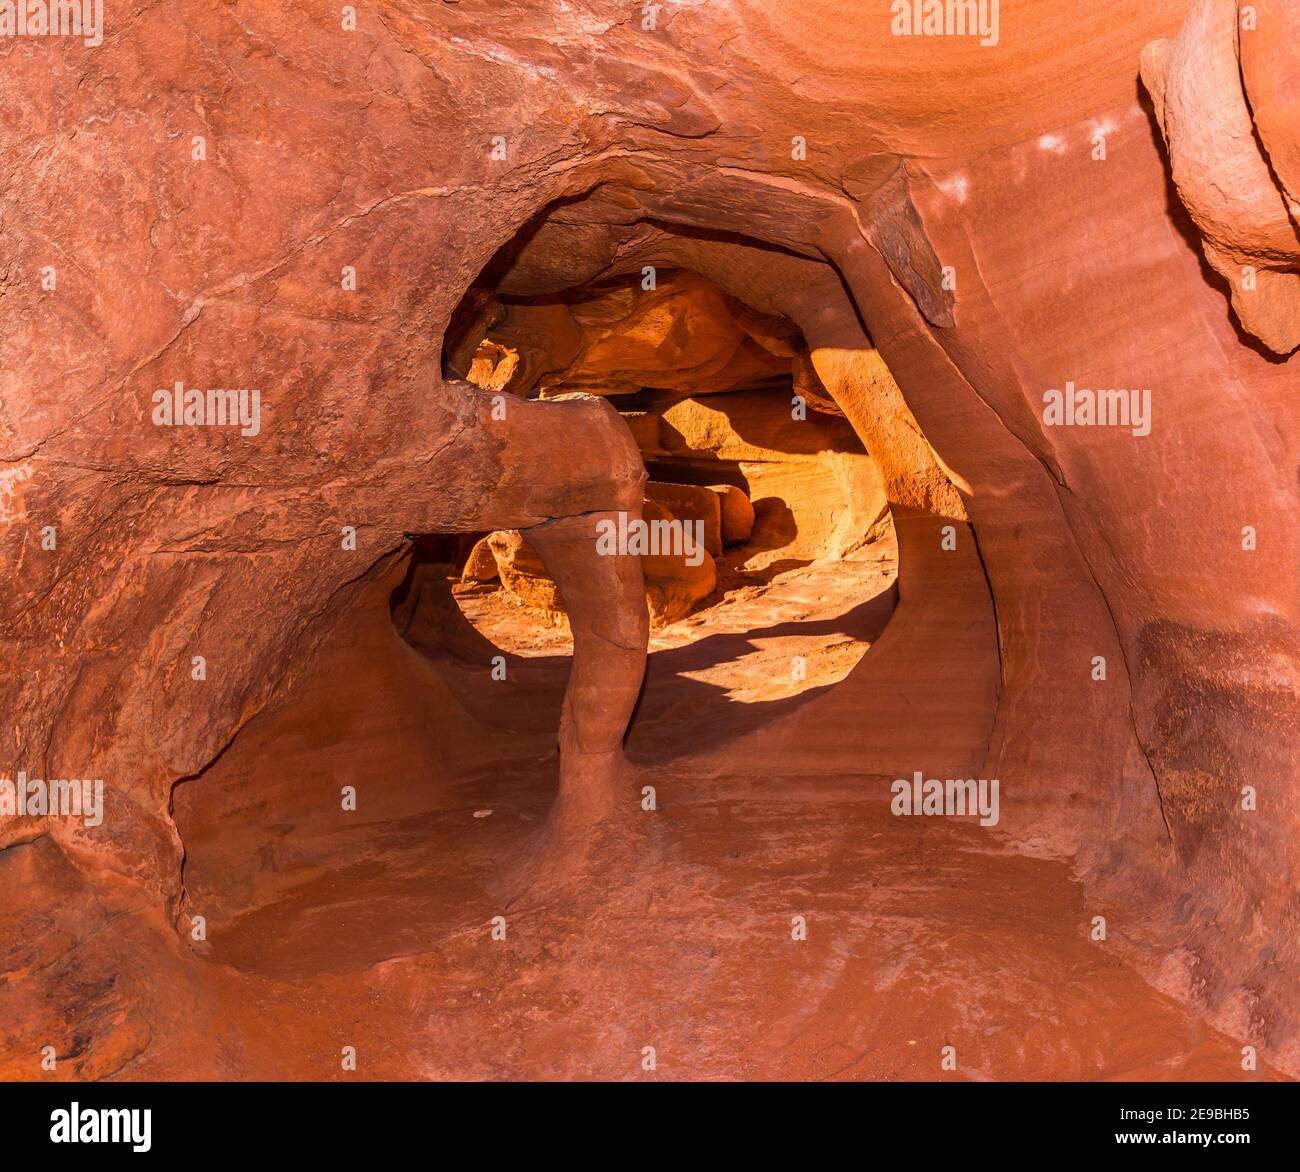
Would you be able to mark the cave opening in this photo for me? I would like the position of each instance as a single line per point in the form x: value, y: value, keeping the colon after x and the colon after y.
x: 828, y: 609
x: 786, y: 567
x: 397, y: 764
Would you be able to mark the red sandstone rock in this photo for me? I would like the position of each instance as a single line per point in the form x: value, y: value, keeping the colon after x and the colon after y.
x: 737, y: 513
x: 481, y: 565
x: 1224, y: 178
x: 1267, y: 39
x: 522, y: 573
x: 969, y: 227
x: 676, y: 577
x: 690, y: 502
x: 675, y: 582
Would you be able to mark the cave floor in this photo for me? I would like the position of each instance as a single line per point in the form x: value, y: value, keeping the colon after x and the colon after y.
x: 918, y: 937
x: 376, y: 932
x: 774, y: 634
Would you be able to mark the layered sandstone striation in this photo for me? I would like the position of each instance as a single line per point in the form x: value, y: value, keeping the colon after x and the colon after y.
x: 1225, y: 91
x: 492, y: 268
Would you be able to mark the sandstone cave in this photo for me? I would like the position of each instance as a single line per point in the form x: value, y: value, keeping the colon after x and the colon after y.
x: 396, y: 761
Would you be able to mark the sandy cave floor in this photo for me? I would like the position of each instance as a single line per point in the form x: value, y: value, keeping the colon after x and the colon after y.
x: 375, y: 932
x: 741, y: 644
x: 918, y: 937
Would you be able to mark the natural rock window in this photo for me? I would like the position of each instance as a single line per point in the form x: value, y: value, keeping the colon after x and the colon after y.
x: 793, y: 576
x: 959, y: 743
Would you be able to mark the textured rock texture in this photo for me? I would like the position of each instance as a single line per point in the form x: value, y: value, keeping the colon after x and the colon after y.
x: 736, y: 514
x: 675, y: 579
x: 1233, y: 153
x: 918, y: 237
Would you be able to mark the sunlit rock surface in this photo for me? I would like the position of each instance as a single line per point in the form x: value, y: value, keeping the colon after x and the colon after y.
x: 317, y: 796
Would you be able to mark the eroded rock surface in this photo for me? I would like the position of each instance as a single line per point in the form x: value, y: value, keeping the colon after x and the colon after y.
x: 1222, y: 165
x: 917, y: 237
